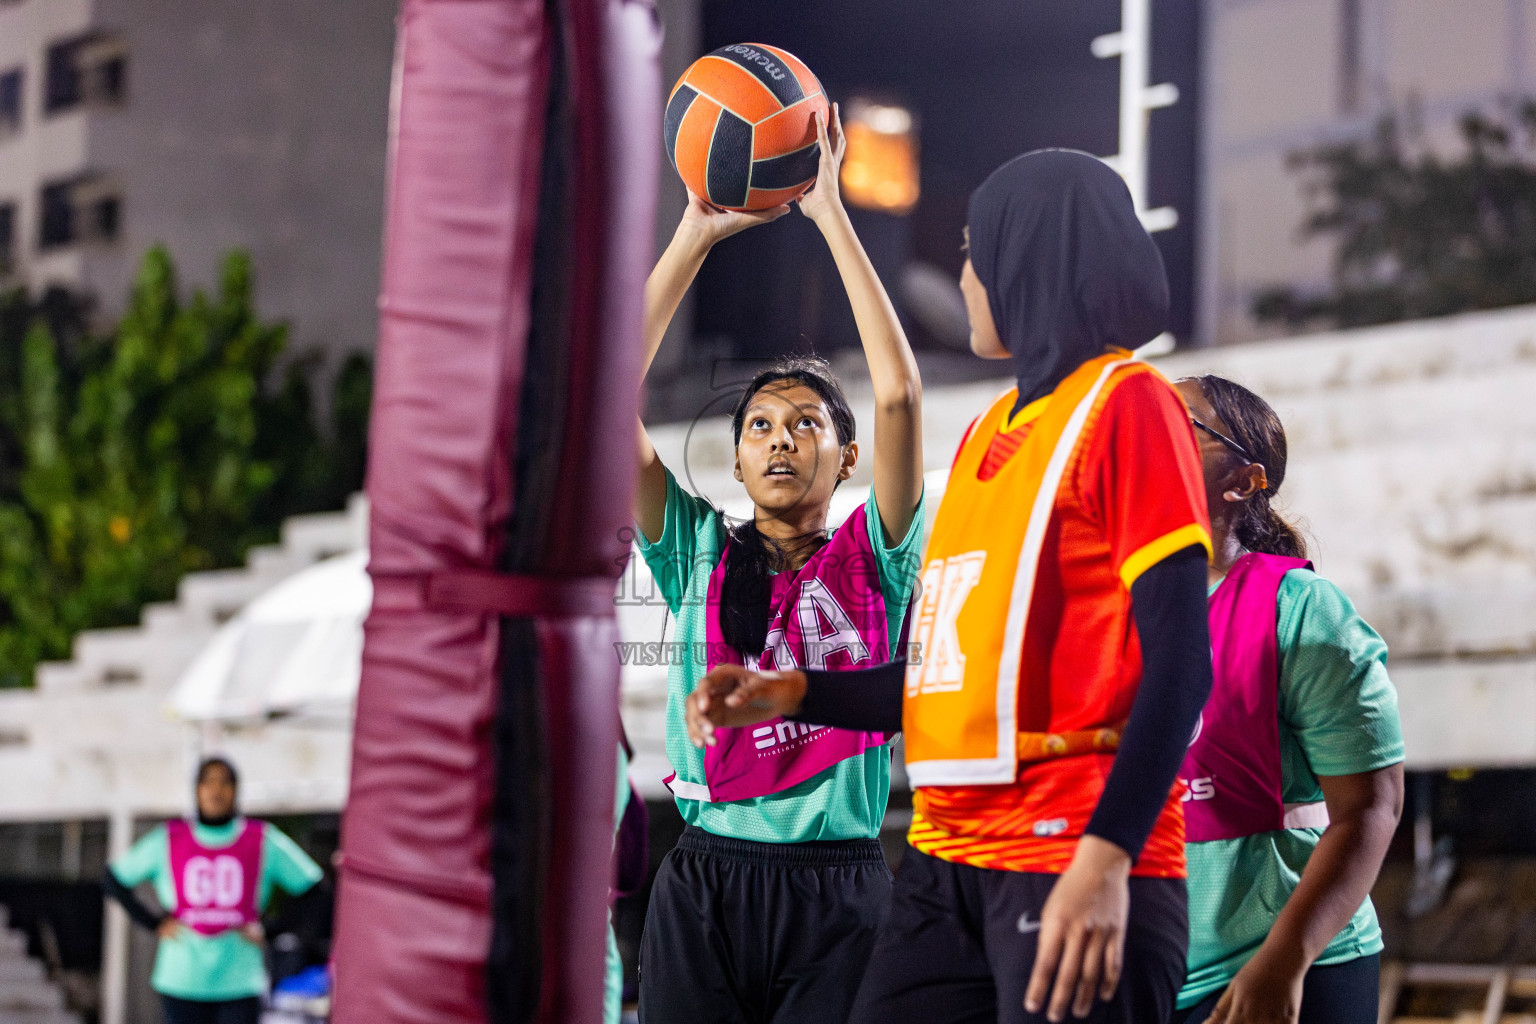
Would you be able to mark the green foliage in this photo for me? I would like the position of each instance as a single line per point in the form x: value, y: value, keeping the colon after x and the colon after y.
x: 1417, y: 235
x: 130, y: 459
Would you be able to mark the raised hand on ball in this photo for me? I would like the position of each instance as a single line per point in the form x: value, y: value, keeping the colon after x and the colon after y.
x: 734, y: 695
x: 713, y: 223
x: 824, y: 198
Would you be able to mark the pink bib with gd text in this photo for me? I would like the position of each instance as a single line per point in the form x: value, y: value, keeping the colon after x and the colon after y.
x: 215, y: 886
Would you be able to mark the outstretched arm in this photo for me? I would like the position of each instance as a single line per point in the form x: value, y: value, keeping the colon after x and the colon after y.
x: 701, y: 227
x: 867, y: 699
x: 892, y: 370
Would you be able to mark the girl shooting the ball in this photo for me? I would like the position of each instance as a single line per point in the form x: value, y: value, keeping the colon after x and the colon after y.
x: 767, y: 908
x: 1064, y: 647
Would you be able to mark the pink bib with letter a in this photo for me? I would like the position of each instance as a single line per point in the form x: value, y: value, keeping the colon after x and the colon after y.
x: 828, y: 615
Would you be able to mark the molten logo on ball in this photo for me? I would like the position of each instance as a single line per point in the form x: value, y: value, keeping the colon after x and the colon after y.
x: 741, y: 127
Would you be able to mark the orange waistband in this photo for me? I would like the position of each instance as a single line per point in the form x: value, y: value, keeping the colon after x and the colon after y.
x: 1043, y: 746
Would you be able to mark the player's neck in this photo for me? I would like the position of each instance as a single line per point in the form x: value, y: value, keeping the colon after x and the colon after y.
x: 797, y: 533
x: 1226, y: 549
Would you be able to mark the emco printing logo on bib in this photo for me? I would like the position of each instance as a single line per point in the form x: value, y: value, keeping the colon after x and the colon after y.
x: 782, y: 736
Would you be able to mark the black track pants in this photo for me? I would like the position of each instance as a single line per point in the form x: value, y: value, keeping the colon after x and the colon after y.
x: 222, y: 1011
x: 1345, y: 993
x: 751, y: 933
x: 959, y: 944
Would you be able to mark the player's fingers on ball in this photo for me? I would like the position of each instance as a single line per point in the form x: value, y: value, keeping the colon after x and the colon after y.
x: 1047, y: 956
x: 1066, y: 976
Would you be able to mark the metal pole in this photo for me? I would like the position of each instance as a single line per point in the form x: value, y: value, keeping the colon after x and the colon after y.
x: 114, y: 954
x: 1133, y: 45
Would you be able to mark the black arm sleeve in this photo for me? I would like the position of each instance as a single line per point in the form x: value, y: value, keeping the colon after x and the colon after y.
x: 1169, y: 604
x: 138, y: 911
x: 867, y: 699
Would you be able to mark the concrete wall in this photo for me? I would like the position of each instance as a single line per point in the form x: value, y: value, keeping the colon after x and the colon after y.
x: 44, y: 148
x: 1282, y: 75
x: 255, y: 125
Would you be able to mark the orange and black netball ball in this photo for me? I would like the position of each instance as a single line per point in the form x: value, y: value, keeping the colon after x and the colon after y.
x: 741, y: 127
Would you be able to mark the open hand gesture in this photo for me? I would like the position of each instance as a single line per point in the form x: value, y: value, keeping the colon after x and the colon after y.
x: 825, y: 199
x: 734, y: 695
x: 712, y: 223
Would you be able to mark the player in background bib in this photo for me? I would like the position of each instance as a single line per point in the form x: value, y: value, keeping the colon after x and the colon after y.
x: 1295, y: 781
x: 1064, y: 646
x: 766, y: 910
x: 215, y: 876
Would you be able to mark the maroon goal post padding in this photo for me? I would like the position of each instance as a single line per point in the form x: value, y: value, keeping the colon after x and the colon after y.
x: 519, y: 230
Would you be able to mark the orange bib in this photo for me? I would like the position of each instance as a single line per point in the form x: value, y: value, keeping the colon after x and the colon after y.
x: 960, y: 715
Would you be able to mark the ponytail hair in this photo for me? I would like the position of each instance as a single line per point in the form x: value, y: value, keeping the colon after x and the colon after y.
x: 1255, y: 426
x: 751, y: 557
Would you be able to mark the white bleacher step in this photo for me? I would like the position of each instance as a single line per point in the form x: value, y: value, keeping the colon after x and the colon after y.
x: 30, y: 995
x: 321, y: 535
x: 36, y: 1016
x: 1438, y: 349
x: 19, y: 969
x: 1492, y: 406
x: 1468, y: 714
x: 12, y: 944
x: 1477, y: 620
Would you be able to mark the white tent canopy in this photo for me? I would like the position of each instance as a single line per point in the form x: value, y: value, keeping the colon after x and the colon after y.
x: 296, y: 648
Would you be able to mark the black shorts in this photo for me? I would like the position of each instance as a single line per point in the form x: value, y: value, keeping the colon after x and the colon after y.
x: 750, y: 933
x: 957, y: 948
x: 220, y: 1011
x: 1346, y: 993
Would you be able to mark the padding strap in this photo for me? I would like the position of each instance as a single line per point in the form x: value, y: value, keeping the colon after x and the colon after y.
x: 473, y: 893
x: 481, y: 590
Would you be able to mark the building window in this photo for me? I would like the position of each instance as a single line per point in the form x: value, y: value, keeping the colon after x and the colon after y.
x: 80, y: 210
x: 1350, y: 56
x: 10, y: 101
x: 89, y: 70
x: 7, y: 238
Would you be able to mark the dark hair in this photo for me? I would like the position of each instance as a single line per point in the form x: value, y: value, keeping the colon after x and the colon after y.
x: 1255, y: 425
x: 749, y: 555
x: 217, y: 762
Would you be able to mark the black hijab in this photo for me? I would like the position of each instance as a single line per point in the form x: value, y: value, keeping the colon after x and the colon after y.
x: 1068, y: 268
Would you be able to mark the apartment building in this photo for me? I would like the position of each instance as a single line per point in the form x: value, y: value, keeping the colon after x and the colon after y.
x: 205, y: 126
x: 1281, y: 75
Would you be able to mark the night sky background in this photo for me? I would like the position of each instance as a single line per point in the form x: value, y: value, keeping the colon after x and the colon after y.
x: 987, y: 80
